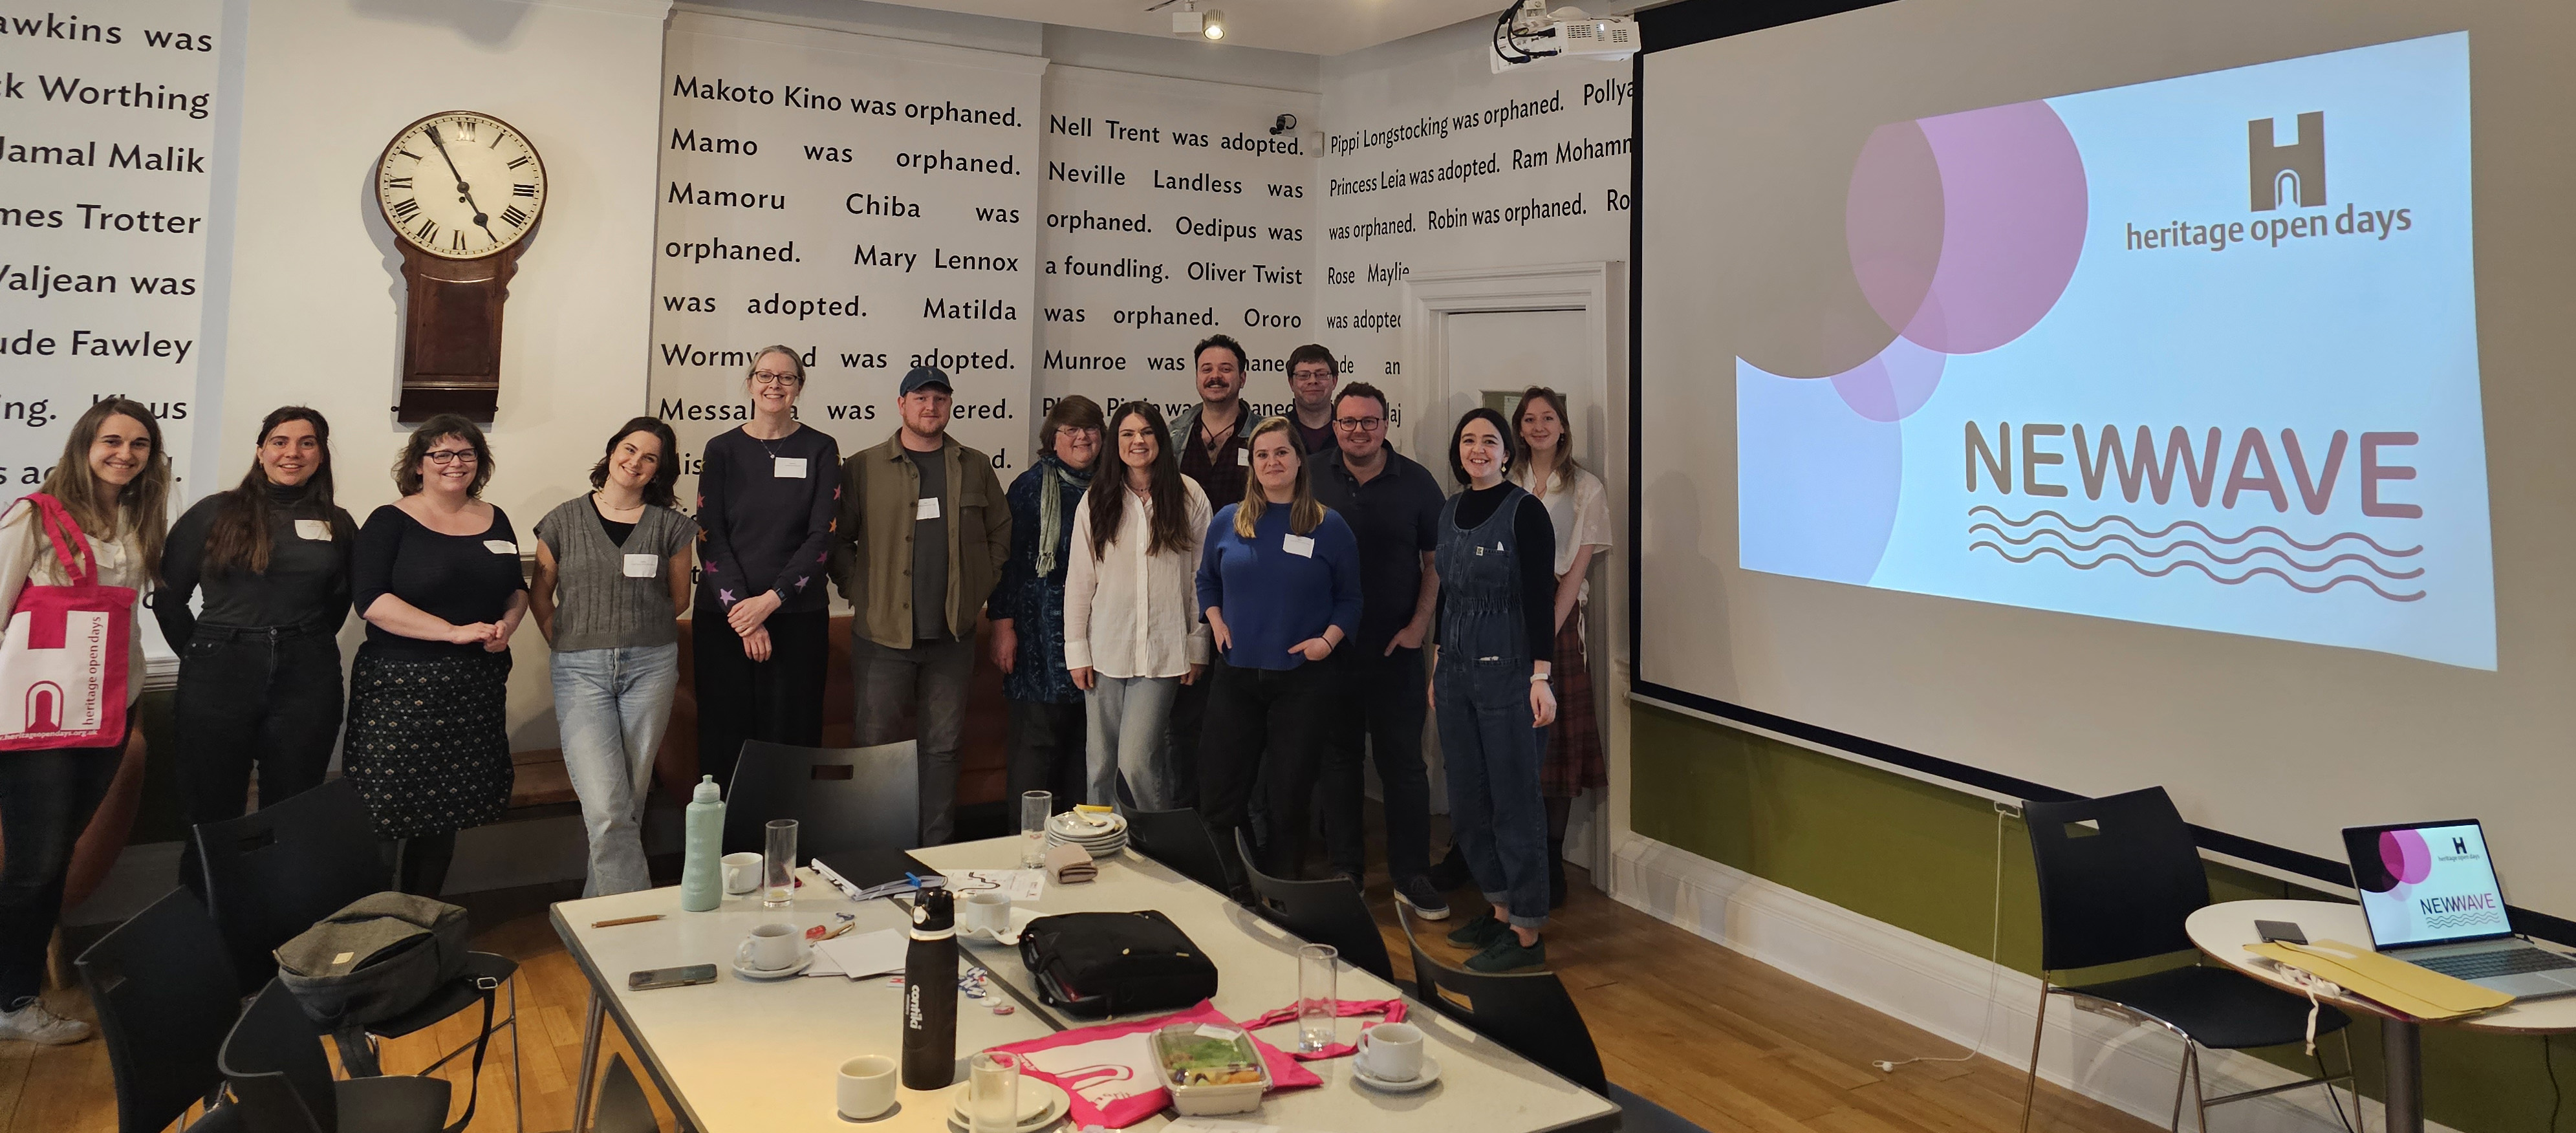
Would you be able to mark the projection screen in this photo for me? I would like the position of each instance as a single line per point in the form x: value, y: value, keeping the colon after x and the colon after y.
x: 2094, y: 396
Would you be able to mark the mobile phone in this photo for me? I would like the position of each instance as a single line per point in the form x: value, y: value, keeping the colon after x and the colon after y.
x: 2281, y: 931
x: 671, y: 977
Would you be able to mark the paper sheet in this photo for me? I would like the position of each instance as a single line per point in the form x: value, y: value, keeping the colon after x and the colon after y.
x: 863, y: 954
x: 1020, y: 884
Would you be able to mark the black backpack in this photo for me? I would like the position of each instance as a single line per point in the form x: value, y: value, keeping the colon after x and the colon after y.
x: 1098, y: 964
x: 380, y: 956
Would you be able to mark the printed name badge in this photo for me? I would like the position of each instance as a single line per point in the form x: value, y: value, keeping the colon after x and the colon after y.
x: 642, y: 566
x: 927, y: 507
x: 501, y: 546
x: 318, y: 530
x: 787, y: 467
x: 1243, y: 456
x: 1299, y: 545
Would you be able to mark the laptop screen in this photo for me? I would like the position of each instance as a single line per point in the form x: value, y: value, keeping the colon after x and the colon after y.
x: 2426, y: 883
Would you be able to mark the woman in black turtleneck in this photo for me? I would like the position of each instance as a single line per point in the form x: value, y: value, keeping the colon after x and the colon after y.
x: 259, y: 666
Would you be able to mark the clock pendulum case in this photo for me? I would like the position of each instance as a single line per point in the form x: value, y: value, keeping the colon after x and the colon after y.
x: 461, y: 191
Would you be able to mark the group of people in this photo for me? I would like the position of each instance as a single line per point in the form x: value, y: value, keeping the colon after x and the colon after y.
x: 1225, y: 613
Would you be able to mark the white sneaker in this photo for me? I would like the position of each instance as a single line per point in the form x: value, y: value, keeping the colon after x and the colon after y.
x: 37, y: 1023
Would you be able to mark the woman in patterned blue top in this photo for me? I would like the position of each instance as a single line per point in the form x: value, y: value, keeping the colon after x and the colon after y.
x: 1048, y: 732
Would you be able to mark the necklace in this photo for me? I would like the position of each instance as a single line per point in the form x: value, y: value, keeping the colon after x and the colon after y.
x: 600, y: 500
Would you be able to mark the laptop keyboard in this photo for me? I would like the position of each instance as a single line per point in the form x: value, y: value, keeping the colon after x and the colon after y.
x: 2507, y: 962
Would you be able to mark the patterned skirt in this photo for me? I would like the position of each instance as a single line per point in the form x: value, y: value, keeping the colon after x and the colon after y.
x: 1574, y: 760
x: 428, y: 743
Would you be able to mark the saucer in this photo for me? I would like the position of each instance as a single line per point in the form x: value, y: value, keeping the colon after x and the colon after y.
x: 1039, y: 1107
x: 748, y: 972
x: 1430, y: 1074
x: 1010, y: 937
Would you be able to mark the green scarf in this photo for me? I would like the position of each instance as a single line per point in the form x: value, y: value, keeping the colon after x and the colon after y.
x: 1051, y: 507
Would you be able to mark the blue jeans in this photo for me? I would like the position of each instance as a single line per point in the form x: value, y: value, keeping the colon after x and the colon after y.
x: 611, y: 706
x: 1130, y: 724
x: 1492, y: 755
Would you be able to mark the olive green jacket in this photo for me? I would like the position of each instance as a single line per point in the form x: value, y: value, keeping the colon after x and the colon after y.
x: 872, y: 538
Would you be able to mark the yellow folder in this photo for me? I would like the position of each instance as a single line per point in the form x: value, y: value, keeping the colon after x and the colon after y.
x: 2420, y: 992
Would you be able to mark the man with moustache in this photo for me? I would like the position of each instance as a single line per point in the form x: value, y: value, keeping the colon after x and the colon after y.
x: 1214, y: 440
x: 922, y: 534
x: 1311, y: 374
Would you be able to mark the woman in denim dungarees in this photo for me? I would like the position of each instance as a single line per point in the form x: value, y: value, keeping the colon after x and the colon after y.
x: 1490, y: 692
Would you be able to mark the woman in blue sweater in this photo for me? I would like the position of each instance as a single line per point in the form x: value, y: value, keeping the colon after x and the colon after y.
x: 1279, y: 579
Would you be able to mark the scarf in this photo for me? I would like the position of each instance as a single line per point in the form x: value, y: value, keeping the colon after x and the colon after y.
x: 1051, y: 488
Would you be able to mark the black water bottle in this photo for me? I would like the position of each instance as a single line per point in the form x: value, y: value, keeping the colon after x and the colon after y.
x: 930, y: 994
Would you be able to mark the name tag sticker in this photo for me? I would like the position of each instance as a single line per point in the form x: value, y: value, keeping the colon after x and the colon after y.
x: 1243, y: 456
x: 643, y: 566
x: 787, y: 467
x: 1298, y: 545
x: 318, y: 530
x: 927, y: 507
x: 501, y: 546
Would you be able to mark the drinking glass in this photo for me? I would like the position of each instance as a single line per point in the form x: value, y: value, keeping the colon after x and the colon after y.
x: 1035, y: 808
x: 1318, y: 1007
x: 778, y: 865
x: 993, y: 1092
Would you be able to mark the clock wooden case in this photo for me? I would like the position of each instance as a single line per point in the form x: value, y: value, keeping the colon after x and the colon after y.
x: 461, y: 191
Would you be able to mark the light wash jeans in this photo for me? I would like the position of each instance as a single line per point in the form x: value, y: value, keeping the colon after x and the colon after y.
x: 1128, y: 720
x: 611, y: 706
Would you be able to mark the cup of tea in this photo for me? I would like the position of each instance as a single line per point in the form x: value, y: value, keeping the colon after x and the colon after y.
x: 988, y: 910
x: 1392, y: 1052
x: 866, y: 1086
x: 741, y: 873
x: 771, y: 948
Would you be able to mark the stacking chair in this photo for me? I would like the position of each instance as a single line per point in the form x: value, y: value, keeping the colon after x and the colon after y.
x: 1530, y: 1013
x: 841, y: 798
x: 274, y: 1064
x: 622, y: 1107
x: 1324, y: 912
x: 164, y: 991
x: 1176, y: 838
x: 2117, y: 878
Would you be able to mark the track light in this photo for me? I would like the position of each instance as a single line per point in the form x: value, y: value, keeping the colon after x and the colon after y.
x: 1213, y: 26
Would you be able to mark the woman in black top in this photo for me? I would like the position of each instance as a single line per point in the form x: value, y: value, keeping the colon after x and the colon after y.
x: 436, y: 575
x: 259, y: 668
x: 760, y: 628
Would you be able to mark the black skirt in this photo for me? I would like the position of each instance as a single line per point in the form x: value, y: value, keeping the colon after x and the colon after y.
x: 428, y: 743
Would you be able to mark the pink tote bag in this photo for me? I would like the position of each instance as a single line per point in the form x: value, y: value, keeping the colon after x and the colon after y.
x: 64, y: 655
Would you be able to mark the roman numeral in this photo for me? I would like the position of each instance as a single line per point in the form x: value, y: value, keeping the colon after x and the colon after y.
x: 403, y: 210
x: 465, y: 130
x: 457, y: 241
x: 397, y: 182
x: 408, y: 153
x: 496, y: 139
x: 522, y: 160
x: 427, y: 231
x: 515, y: 218
x: 523, y: 189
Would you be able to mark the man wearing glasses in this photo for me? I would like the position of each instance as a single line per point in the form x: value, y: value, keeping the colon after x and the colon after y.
x: 1311, y: 373
x: 1393, y: 506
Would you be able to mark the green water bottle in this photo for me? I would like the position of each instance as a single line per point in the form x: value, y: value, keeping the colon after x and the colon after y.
x: 702, y: 853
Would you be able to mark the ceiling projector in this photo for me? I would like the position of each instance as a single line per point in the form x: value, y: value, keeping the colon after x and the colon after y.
x: 1532, y: 32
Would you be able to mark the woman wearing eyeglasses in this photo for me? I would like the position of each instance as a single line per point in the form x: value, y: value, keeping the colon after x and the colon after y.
x: 760, y: 635
x: 436, y: 576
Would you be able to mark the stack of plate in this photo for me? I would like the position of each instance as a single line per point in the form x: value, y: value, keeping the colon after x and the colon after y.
x: 1109, y: 837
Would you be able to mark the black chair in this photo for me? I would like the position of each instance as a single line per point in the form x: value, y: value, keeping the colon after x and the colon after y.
x: 622, y: 1107
x: 2117, y: 878
x: 1179, y: 839
x: 274, y: 1064
x: 1324, y: 912
x: 164, y: 990
x: 848, y: 798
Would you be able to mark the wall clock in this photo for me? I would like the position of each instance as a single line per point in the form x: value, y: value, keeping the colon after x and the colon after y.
x: 461, y: 191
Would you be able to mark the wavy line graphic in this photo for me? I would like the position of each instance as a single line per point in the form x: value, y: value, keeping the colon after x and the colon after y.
x: 2196, y: 564
x: 2143, y: 533
x: 2214, y: 556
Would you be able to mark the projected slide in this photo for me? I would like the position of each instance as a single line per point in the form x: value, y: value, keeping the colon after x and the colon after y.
x: 2198, y: 352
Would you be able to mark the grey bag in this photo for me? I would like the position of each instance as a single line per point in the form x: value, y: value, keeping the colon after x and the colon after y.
x: 382, y: 955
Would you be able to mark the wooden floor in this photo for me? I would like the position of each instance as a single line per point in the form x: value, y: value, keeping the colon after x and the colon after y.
x: 1719, y: 1039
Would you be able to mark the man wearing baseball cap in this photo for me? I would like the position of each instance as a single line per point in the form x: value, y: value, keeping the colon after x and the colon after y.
x: 922, y: 535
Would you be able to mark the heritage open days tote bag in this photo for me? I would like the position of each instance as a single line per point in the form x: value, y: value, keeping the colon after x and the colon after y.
x: 63, y: 655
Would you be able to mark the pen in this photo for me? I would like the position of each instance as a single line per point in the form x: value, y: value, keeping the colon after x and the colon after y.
x: 625, y: 920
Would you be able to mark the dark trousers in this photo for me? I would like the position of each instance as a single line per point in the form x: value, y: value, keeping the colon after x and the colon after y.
x: 1492, y: 754
x: 1050, y: 750
x: 1181, y: 750
x: 1377, y: 711
x: 46, y: 799
x: 1264, y: 725
x: 779, y: 700
x: 926, y: 683
x: 252, y: 699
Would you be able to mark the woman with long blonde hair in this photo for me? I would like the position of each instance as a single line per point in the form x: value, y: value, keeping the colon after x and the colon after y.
x: 1579, y: 509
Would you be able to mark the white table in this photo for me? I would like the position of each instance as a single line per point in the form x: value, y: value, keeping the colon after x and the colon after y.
x: 2223, y: 931
x: 1484, y: 1088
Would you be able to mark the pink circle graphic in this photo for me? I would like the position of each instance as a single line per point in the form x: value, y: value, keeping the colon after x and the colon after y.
x: 2408, y: 859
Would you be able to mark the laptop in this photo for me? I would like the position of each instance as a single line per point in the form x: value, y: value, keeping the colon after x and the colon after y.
x: 2430, y: 894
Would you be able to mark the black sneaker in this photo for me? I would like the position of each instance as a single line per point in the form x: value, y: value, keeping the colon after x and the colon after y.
x: 1426, y: 902
x: 1507, y: 953
x: 1480, y: 932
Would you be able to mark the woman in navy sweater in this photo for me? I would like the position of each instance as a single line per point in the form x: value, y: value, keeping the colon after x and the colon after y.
x: 1279, y: 578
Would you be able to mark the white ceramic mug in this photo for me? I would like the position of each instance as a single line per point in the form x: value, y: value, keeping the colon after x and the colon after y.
x: 867, y: 1086
x: 771, y: 948
x: 989, y: 910
x: 1392, y: 1052
x: 741, y: 873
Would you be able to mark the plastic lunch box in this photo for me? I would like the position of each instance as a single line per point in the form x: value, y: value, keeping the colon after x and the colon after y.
x: 1210, y: 1100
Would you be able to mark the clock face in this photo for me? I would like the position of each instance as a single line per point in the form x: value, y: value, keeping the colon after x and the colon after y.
x: 461, y: 185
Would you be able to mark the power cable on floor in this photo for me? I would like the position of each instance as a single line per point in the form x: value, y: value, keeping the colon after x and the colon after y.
x: 1994, y: 952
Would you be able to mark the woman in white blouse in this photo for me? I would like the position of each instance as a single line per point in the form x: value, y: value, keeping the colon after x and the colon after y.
x: 1580, y: 511
x: 1132, y: 635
